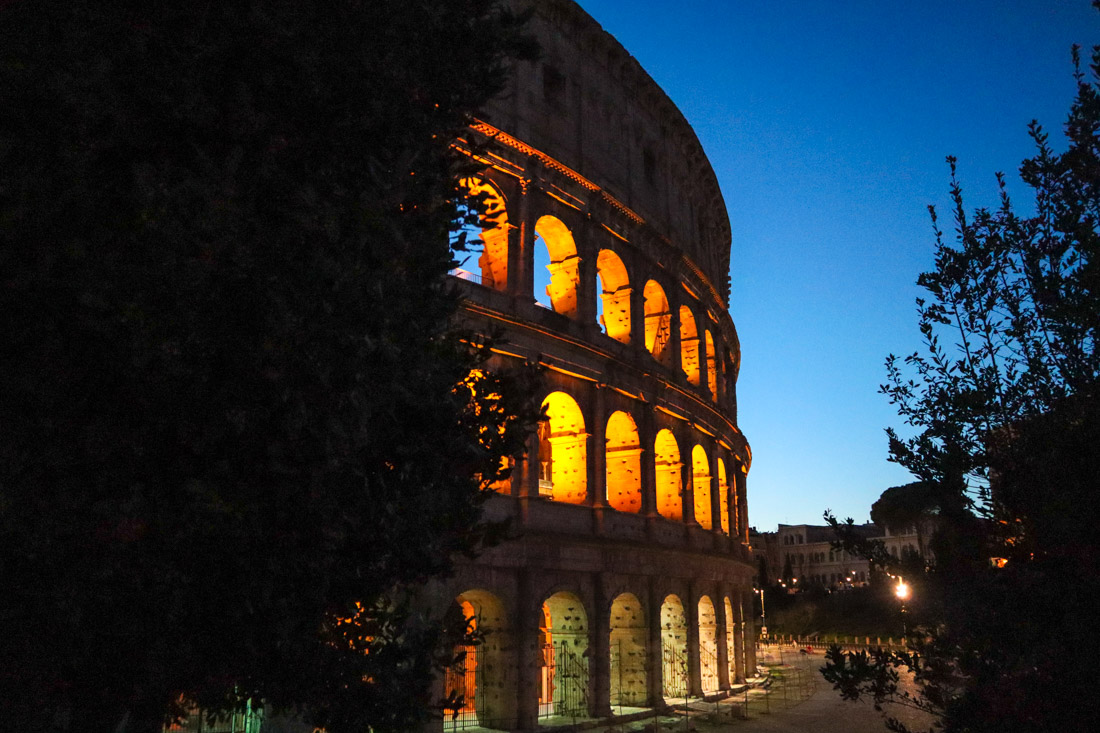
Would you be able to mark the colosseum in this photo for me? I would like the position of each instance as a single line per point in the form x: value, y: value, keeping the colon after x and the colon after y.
x: 605, y: 257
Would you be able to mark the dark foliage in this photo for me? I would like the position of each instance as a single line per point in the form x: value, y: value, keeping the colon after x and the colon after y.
x: 1005, y: 410
x: 235, y: 430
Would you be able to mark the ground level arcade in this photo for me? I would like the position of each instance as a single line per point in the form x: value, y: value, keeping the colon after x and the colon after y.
x: 587, y: 627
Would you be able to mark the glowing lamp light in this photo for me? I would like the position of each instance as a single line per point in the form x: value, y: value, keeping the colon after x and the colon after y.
x: 902, y: 590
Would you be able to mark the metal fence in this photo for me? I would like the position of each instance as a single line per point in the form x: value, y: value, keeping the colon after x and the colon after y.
x: 675, y: 682
x: 467, y: 275
x: 461, y: 685
x: 567, y: 693
x: 708, y: 669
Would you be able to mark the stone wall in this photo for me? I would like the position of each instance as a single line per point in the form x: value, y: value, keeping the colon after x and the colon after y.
x: 627, y: 580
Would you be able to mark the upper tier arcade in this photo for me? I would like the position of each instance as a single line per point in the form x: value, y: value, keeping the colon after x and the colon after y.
x: 591, y: 103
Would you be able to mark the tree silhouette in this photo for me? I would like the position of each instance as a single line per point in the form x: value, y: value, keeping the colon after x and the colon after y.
x: 1004, y: 405
x: 238, y: 430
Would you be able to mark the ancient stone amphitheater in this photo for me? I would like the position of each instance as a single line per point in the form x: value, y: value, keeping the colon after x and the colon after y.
x: 605, y: 259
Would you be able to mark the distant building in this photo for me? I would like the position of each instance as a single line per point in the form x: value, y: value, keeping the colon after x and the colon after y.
x: 813, y: 561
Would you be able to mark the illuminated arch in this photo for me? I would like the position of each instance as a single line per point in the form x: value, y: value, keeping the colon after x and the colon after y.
x: 614, y: 295
x: 689, y: 345
x: 674, y: 666
x: 666, y: 457
x: 700, y: 480
x: 563, y: 636
x: 712, y: 367
x: 708, y: 645
x: 564, y: 264
x: 629, y: 681
x: 658, y: 321
x: 563, y: 452
x: 493, y: 234
x: 723, y: 497
x: 480, y: 676
x: 623, y: 462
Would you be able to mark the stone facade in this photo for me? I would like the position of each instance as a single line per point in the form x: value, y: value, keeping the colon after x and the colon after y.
x: 629, y: 580
x: 814, y: 561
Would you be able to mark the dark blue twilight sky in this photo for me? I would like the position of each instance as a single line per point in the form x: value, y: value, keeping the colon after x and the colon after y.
x: 827, y: 123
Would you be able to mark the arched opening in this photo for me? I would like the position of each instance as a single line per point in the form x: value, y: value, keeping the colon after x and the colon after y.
x: 563, y: 682
x: 563, y: 450
x: 712, y: 367
x: 628, y: 652
x: 614, y: 301
x: 700, y: 480
x: 479, y: 678
x: 666, y: 458
x: 723, y: 497
x: 674, y: 669
x: 554, y: 241
x: 623, y: 461
x: 732, y: 652
x: 689, y: 345
x: 708, y: 646
x: 658, y: 321
x: 489, y: 235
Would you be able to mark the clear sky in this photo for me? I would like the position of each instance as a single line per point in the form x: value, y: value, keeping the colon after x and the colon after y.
x: 827, y: 123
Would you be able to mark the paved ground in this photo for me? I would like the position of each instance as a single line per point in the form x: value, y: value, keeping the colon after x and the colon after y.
x: 797, y: 701
x: 812, y: 706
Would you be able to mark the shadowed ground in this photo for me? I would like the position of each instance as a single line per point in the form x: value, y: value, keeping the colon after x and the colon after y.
x: 798, y: 700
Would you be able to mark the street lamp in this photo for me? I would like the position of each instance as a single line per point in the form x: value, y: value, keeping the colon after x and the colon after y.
x: 902, y: 592
x: 763, y: 615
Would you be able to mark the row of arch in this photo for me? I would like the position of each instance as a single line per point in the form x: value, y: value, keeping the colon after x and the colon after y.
x: 716, y: 498
x: 675, y: 336
x: 644, y: 658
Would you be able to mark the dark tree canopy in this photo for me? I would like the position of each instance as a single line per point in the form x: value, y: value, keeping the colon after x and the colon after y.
x: 236, y: 429
x: 909, y: 507
x: 1004, y: 406
x: 900, y: 507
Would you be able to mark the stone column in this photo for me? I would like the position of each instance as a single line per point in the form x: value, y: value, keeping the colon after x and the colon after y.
x: 719, y: 387
x: 731, y: 501
x: 742, y: 506
x: 750, y: 637
x: 687, y: 476
x: 647, y: 434
x: 701, y: 333
x: 525, y: 481
x: 711, y: 447
x: 637, y: 309
x: 599, y: 644
x: 521, y: 241
x: 526, y: 636
x: 674, y: 337
x: 695, y: 677
x: 736, y: 601
x: 722, y: 625
x: 654, y: 649
x: 586, y: 272
x: 597, y: 456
